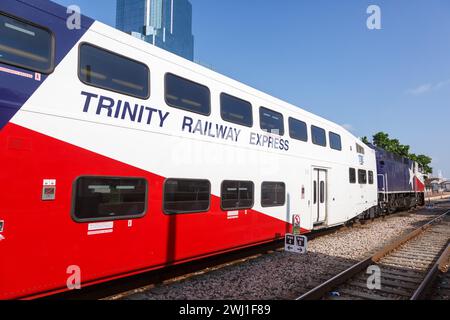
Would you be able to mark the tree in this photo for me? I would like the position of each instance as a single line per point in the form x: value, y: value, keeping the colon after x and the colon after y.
x: 365, y: 140
x: 425, y: 161
x: 382, y: 140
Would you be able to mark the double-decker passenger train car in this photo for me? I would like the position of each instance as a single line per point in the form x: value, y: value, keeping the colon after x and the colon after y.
x: 119, y: 157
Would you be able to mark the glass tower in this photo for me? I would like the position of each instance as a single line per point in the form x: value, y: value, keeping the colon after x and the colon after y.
x: 164, y: 23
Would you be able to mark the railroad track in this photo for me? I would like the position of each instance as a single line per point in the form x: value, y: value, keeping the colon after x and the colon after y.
x: 404, y: 269
x: 120, y: 288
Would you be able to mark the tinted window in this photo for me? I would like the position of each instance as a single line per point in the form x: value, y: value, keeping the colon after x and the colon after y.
x: 322, y: 192
x: 236, y: 110
x: 271, y: 121
x: 362, y: 176
x: 335, y: 141
x: 273, y: 194
x: 370, y: 177
x: 359, y: 149
x: 187, y: 95
x: 107, y: 70
x: 298, y: 130
x: 318, y: 136
x: 237, y: 195
x: 315, y: 192
x: 25, y: 45
x: 352, y: 175
x: 104, y: 198
x: 186, y: 196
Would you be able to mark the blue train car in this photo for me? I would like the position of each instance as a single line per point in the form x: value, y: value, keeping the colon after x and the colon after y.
x: 400, y: 182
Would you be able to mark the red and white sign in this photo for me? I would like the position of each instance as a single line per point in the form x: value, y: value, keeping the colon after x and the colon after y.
x: 296, y: 219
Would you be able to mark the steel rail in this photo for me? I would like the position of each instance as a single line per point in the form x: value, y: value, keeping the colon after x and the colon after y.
x: 324, y: 288
x: 440, y: 266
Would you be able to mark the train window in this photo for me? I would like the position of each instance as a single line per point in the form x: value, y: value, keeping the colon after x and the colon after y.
x: 335, y: 141
x: 273, y: 194
x: 362, y: 176
x: 110, y: 71
x: 322, y: 191
x: 359, y: 149
x: 298, y: 130
x: 315, y: 192
x: 26, y: 45
x: 186, y: 196
x: 352, y: 175
x: 187, y: 95
x: 271, y: 121
x: 318, y: 136
x: 109, y: 198
x: 370, y: 177
x: 237, y: 195
x: 236, y: 110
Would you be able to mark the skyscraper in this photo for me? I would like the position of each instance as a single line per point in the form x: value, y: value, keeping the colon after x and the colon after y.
x: 164, y: 23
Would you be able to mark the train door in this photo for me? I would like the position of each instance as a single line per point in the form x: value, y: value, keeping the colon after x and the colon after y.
x: 319, y: 211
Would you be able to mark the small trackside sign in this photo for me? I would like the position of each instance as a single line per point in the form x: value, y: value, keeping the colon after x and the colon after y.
x: 295, y: 243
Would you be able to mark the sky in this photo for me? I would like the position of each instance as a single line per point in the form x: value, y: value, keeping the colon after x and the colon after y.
x: 320, y: 56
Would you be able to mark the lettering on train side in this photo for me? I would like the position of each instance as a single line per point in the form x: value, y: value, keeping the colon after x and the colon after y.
x: 209, y: 129
x: 269, y: 142
x: 124, y: 110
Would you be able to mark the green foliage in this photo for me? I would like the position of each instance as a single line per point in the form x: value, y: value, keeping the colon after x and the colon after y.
x: 365, y: 140
x: 382, y: 140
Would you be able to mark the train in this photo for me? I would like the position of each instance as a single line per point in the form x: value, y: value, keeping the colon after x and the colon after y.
x: 119, y: 158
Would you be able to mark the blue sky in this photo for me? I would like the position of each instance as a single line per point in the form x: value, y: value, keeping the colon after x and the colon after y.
x: 320, y: 56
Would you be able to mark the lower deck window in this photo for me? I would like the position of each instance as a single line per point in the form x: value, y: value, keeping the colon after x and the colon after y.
x: 370, y: 177
x: 362, y: 176
x: 273, y: 194
x: 186, y: 196
x: 237, y: 195
x: 106, y: 198
x: 352, y: 173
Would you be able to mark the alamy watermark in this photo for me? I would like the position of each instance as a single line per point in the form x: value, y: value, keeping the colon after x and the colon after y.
x: 74, y: 280
x: 374, y: 20
x: 374, y: 280
x: 73, y: 21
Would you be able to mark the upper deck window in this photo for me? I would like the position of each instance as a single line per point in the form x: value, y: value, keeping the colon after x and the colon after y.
x: 298, y: 130
x: 335, y: 141
x: 318, y: 136
x: 25, y: 45
x: 110, y: 71
x: 236, y: 110
x: 187, y: 95
x: 359, y: 149
x: 271, y: 121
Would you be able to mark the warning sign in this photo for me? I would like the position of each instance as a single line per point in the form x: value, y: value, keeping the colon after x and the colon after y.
x: 296, y: 224
x: 295, y: 243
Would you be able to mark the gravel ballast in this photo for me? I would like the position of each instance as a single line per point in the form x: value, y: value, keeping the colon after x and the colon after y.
x: 282, y: 275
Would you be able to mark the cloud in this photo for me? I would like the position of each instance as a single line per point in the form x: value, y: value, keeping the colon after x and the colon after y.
x: 428, y: 87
